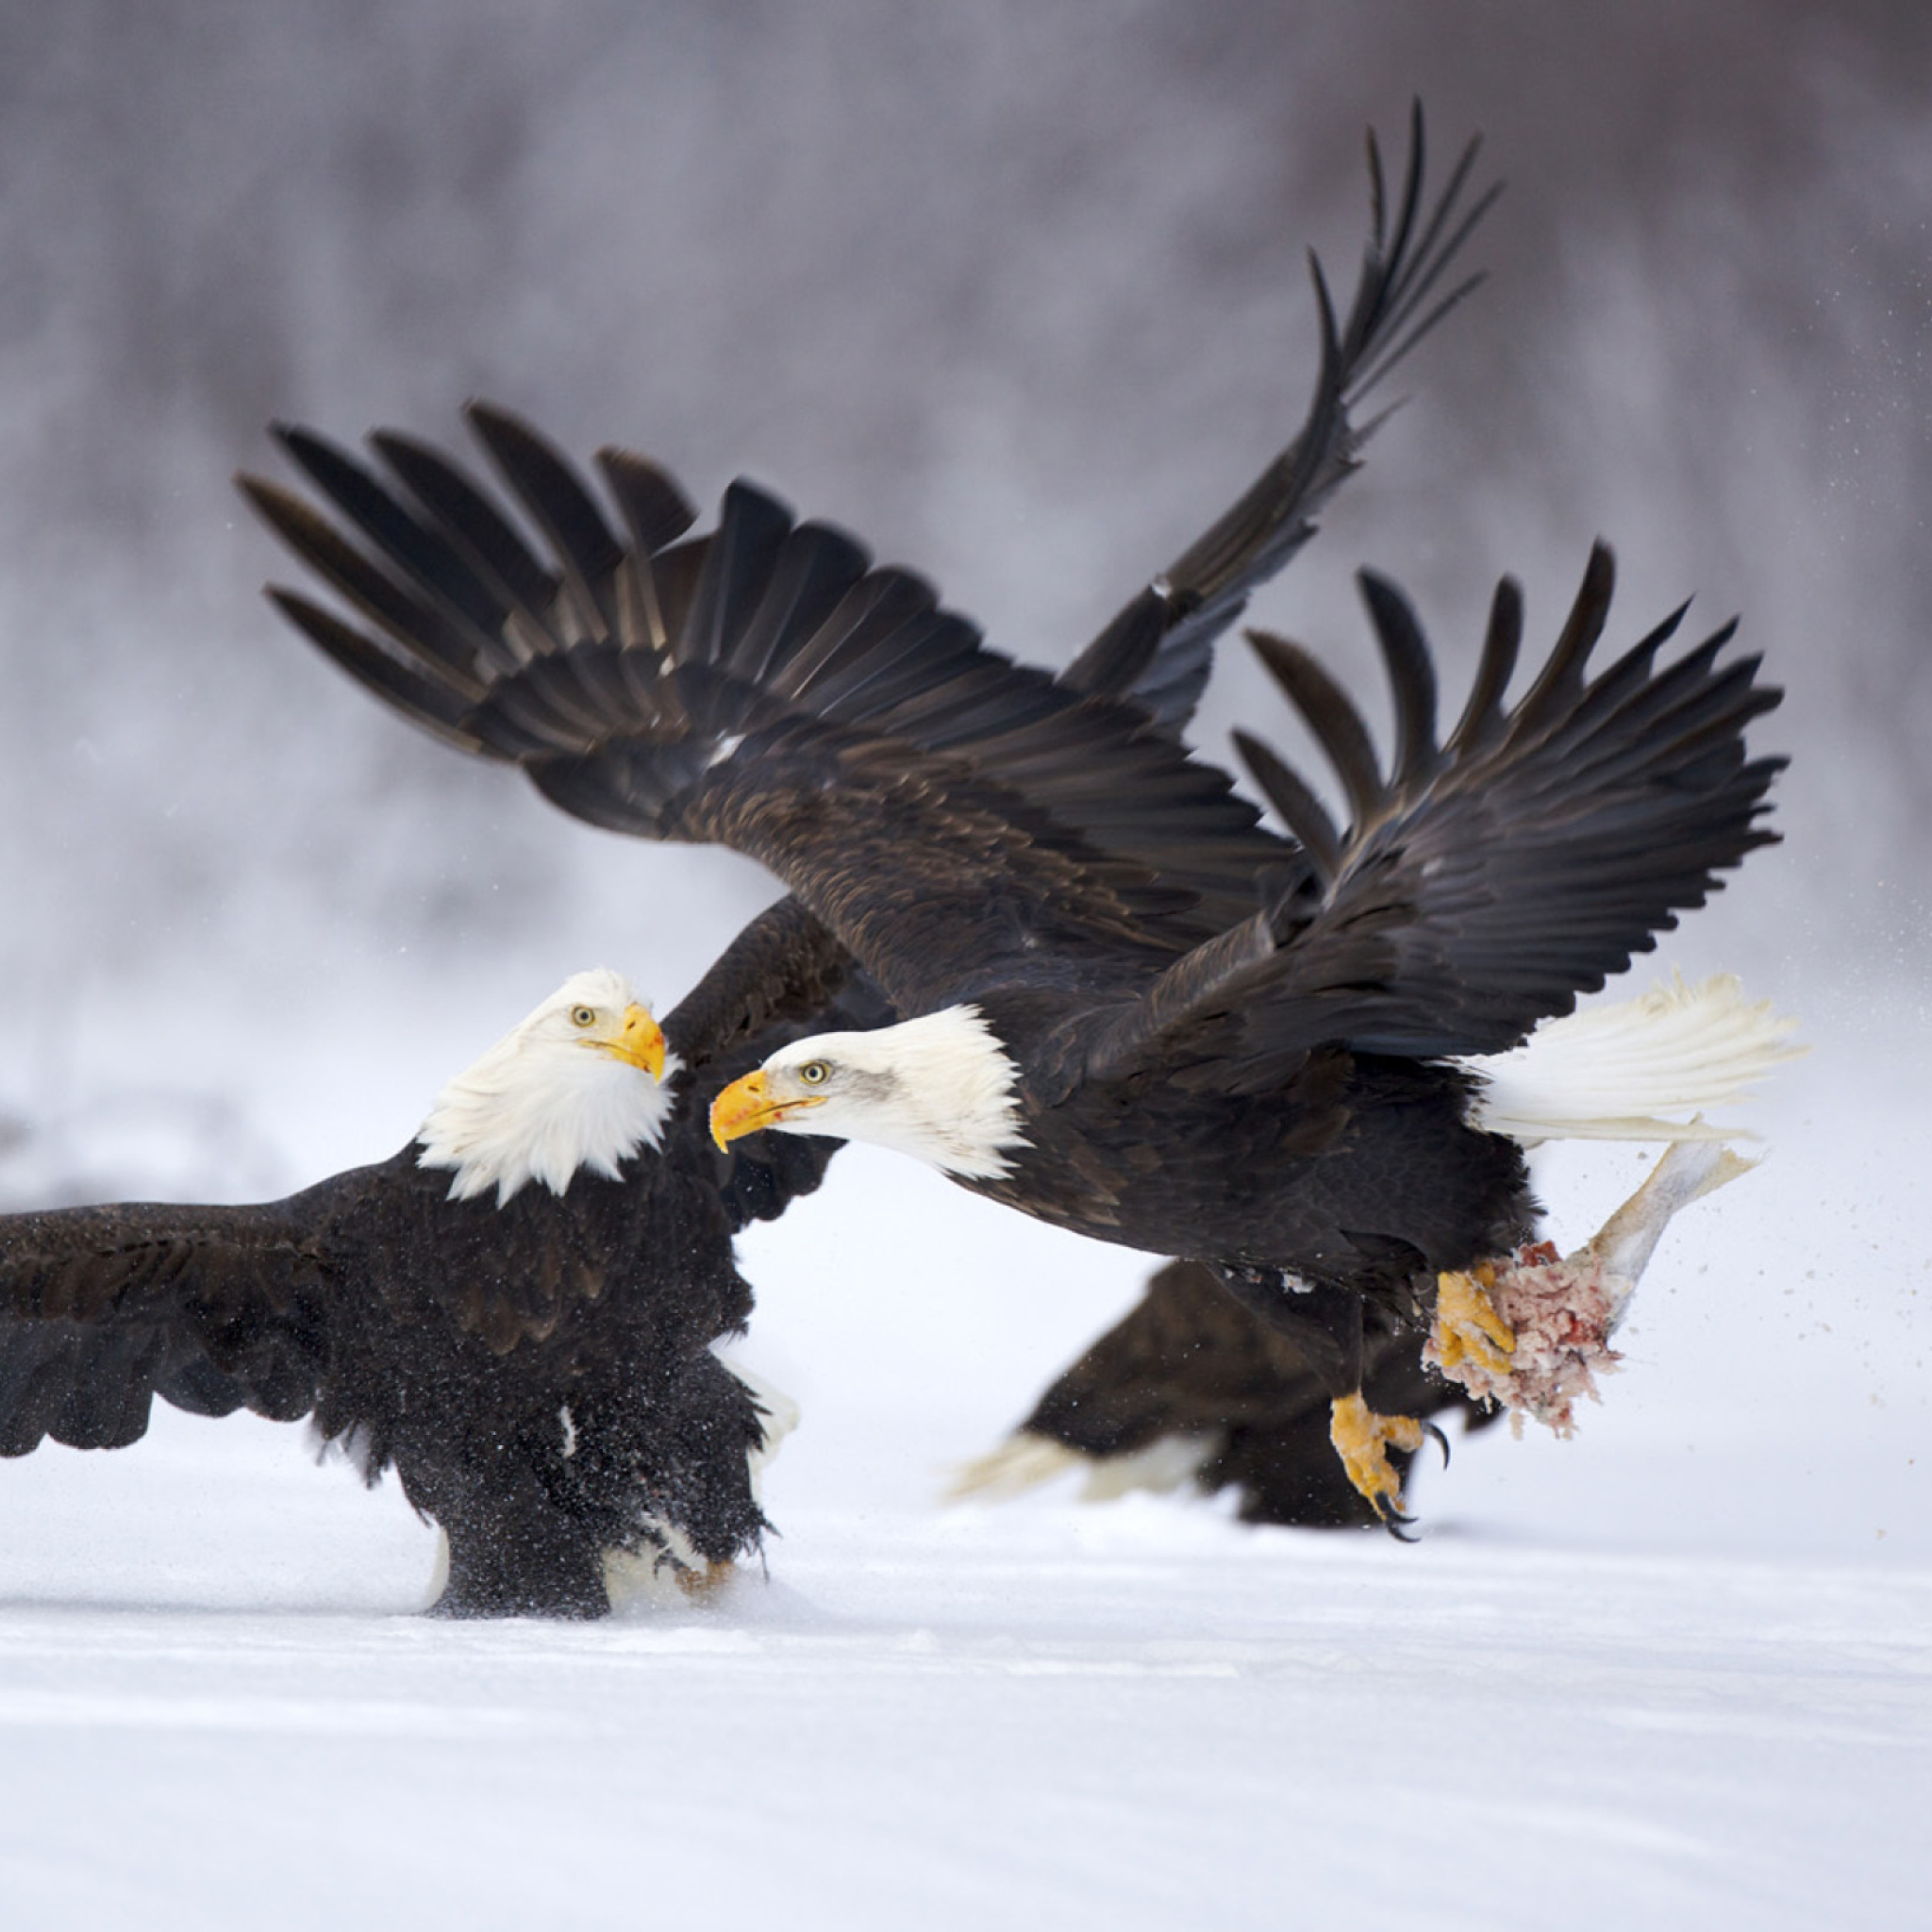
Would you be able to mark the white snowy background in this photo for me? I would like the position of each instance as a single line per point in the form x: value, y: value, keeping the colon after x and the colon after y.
x: 1016, y: 291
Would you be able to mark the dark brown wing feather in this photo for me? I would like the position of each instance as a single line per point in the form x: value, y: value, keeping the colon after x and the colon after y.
x: 1158, y: 649
x: 774, y: 669
x: 631, y: 676
x: 580, y: 661
x: 102, y: 1307
x: 1484, y: 882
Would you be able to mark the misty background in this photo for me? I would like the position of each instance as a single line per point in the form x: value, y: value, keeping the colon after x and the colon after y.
x: 1014, y: 290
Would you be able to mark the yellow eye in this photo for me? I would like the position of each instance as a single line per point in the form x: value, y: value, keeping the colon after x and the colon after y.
x: 583, y: 1016
x: 814, y: 1073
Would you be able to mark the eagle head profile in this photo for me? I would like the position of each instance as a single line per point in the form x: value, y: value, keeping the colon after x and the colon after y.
x: 940, y: 1088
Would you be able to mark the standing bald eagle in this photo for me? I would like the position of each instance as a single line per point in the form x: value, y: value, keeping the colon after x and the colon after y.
x: 515, y: 1311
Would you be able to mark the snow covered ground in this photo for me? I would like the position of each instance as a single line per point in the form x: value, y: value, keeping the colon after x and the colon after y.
x: 1674, y: 1671
x: 1130, y: 1718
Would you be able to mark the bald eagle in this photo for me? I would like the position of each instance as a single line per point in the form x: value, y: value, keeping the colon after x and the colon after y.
x: 516, y: 1311
x: 1192, y: 1388
x: 1298, y: 1100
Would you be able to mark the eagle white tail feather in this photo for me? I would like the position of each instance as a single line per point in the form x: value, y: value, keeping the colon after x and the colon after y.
x: 1619, y: 1072
x: 1025, y: 1461
x: 665, y: 1572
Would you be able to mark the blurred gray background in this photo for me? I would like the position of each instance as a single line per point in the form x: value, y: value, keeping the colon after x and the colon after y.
x: 1015, y: 290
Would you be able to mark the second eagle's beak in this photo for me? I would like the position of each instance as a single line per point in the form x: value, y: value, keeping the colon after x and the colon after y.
x: 641, y: 1043
x: 747, y: 1104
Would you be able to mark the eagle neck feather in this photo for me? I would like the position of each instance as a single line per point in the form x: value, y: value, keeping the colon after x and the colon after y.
x: 517, y: 1116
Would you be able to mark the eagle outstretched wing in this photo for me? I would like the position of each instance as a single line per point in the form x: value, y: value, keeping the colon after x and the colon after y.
x: 765, y: 687
x: 1487, y: 879
x: 102, y: 1309
x: 1158, y: 649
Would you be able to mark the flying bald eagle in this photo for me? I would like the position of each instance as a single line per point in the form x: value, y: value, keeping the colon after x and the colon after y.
x: 1302, y: 1101
x: 516, y: 1311
x: 1125, y: 1005
x: 1128, y: 1008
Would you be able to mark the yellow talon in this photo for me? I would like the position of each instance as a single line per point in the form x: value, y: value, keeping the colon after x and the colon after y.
x: 1468, y: 1327
x: 1362, y: 1440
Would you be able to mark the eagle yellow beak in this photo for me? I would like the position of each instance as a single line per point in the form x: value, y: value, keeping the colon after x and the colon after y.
x: 639, y: 1044
x: 747, y: 1104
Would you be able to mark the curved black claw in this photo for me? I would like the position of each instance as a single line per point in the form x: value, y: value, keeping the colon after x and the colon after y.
x: 1398, y: 1525
x: 1441, y: 1440
x: 1396, y: 1522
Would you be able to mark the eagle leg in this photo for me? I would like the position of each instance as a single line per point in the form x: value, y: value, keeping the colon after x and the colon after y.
x: 1362, y: 1438
x: 1326, y: 1323
x: 1467, y: 1326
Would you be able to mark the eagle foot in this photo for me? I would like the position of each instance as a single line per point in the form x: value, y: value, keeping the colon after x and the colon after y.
x: 702, y: 1581
x: 1362, y: 1438
x: 1467, y: 1326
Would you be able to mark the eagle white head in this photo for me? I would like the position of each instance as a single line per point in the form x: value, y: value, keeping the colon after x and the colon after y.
x: 580, y: 1083
x: 940, y: 1088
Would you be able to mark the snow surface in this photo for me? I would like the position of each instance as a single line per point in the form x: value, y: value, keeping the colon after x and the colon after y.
x: 1676, y: 1672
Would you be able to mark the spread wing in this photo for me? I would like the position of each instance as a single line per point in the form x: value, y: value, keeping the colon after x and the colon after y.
x: 1486, y: 881
x: 764, y: 688
x: 335, y: 1298
x: 1159, y: 648
x: 102, y: 1309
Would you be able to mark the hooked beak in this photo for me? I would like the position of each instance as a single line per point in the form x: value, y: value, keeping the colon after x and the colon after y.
x: 641, y: 1043
x: 747, y: 1106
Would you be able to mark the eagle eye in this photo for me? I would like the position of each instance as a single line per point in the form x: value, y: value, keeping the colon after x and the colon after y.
x: 583, y: 1016
x: 814, y: 1073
